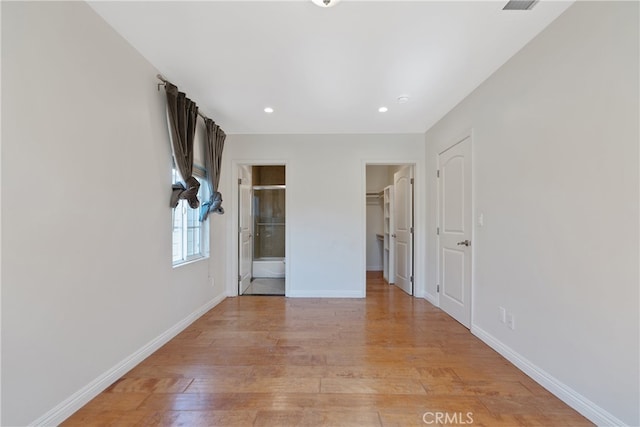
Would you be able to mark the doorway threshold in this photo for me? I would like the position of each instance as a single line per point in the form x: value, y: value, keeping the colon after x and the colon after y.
x: 266, y: 287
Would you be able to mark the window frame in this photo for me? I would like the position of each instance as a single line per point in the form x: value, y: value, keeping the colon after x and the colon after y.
x: 185, y: 210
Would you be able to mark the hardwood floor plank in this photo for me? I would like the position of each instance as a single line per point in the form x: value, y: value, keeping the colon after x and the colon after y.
x: 512, y: 405
x: 204, y: 418
x: 386, y: 360
x: 402, y: 419
x: 353, y: 418
x: 327, y: 371
x: 317, y: 418
x: 150, y: 385
x: 278, y: 418
x: 186, y: 371
x: 475, y: 388
x: 252, y: 384
x: 112, y: 417
x: 106, y: 401
x: 370, y: 385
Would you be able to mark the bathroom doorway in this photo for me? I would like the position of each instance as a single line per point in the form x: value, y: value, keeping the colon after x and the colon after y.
x: 262, y: 219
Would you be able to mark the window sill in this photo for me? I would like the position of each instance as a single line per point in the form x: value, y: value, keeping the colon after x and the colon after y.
x: 190, y: 261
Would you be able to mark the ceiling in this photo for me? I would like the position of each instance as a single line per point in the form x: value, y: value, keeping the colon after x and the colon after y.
x: 326, y: 70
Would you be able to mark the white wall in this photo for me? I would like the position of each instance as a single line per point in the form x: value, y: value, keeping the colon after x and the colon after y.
x: 326, y: 216
x: 86, y: 269
x: 378, y: 177
x: 555, y: 140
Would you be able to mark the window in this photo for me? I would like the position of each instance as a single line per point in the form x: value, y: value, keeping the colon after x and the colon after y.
x: 190, y: 236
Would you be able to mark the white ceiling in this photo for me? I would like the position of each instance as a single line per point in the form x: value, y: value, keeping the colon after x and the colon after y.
x: 326, y: 70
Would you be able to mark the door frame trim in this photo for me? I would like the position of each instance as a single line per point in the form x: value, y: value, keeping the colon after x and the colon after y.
x: 251, y: 230
x: 453, y: 142
x: 232, y: 256
x: 419, y: 230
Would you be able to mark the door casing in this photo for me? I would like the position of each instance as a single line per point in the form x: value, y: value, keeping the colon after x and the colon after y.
x: 232, y: 257
x: 245, y: 229
x: 419, y: 230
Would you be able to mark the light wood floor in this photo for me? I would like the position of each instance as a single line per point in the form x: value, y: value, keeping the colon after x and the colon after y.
x: 388, y: 360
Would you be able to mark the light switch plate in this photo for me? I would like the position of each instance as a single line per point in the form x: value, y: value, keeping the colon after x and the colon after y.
x: 511, y: 321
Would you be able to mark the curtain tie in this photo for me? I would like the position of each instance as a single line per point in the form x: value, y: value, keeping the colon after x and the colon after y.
x: 213, y: 205
x: 187, y: 191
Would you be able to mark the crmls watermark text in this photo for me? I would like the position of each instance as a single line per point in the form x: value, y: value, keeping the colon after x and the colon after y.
x: 454, y: 418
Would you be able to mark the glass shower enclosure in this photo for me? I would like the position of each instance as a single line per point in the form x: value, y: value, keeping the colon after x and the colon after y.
x: 269, y: 231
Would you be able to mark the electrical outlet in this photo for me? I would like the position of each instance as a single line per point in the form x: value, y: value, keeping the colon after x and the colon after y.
x: 511, y: 321
x: 503, y: 314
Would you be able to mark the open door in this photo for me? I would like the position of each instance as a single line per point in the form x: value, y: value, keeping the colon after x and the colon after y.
x: 403, y: 229
x: 245, y: 238
x: 454, y: 200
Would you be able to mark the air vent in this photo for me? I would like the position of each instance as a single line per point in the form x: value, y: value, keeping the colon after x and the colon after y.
x: 520, y: 5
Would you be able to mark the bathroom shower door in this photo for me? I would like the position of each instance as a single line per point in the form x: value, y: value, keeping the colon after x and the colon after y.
x: 269, y: 228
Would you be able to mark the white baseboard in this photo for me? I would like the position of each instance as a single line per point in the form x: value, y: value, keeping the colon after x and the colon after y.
x: 80, y: 398
x: 326, y: 294
x: 590, y: 410
x: 431, y: 298
x: 374, y: 268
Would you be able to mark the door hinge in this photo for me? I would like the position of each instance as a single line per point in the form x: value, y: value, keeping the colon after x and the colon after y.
x: 239, y: 180
x: 438, y: 288
x: 438, y: 173
x: 411, y: 279
x: 412, y: 180
x: 438, y: 231
x: 411, y: 230
x: 239, y: 278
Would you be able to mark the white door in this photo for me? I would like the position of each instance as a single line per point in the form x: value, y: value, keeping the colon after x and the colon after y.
x: 403, y: 228
x: 245, y: 246
x: 454, y: 201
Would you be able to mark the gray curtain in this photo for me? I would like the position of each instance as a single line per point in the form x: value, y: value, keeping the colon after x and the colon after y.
x: 213, y: 146
x: 182, y: 115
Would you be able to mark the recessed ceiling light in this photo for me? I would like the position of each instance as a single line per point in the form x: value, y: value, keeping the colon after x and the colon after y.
x: 403, y: 99
x: 383, y: 109
x: 268, y: 110
x: 325, y: 3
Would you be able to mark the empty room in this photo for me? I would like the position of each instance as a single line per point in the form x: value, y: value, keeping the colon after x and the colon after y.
x: 320, y: 212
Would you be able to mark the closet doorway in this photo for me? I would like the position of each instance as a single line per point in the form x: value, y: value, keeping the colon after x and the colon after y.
x: 261, y: 230
x: 390, y: 224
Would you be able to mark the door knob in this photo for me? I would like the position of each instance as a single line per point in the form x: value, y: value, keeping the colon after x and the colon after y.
x: 464, y: 243
x: 393, y: 235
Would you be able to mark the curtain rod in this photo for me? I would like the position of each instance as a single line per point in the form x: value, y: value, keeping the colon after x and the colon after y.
x: 164, y: 83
